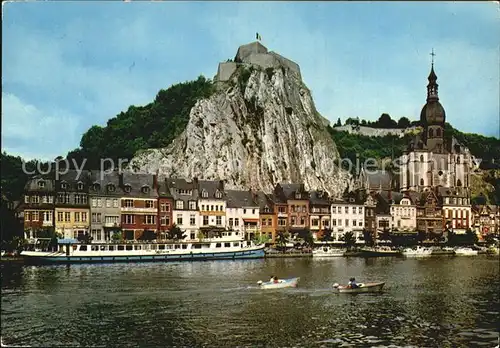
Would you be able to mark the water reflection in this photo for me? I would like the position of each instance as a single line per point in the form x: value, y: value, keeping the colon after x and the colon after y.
x: 432, y: 302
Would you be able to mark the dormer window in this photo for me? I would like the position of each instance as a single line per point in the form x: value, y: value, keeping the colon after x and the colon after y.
x: 64, y: 185
x: 204, y: 194
x: 297, y: 195
x: 96, y: 186
x: 351, y: 200
x: 80, y: 186
x: 218, y: 194
x: 111, y: 188
x: 145, y: 189
x: 266, y: 209
x: 41, y: 184
x: 127, y: 188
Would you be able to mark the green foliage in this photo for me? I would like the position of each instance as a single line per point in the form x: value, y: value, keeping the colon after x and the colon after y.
x: 140, y: 127
x: 327, y: 235
x: 368, y: 237
x: 282, y: 239
x: 116, y: 236
x: 349, y: 240
x: 261, y: 239
x: 175, y: 233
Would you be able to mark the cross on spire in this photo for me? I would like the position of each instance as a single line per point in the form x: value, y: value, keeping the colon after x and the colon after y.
x: 432, y: 55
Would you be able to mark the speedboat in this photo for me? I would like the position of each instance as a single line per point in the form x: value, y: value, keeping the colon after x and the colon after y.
x: 361, y: 288
x: 282, y: 283
x: 465, y: 252
x: 418, y: 252
x: 328, y: 252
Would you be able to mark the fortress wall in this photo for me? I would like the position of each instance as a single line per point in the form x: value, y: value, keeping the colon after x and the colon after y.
x: 225, y: 71
x: 287, y: 62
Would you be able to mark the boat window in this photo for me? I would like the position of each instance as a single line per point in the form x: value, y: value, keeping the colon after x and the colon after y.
x: 197, y: 246
x: 103, y: 247
x: 206, y: 246
x: 184, y: 246
x: 121, y: 247
x: 169, y: 246
x: 236, y: 244
x: 227, y: 245
x: 137, y: 247
x: 218, y: 245
x: 83, y: 248
x: 153, y: 246
x: 128, y: 247
x: 111, y: 247
x: 177, y: 246
x: 161, y: 247
x: 94, y: 248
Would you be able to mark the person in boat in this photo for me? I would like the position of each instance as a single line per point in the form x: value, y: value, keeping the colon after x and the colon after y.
x: 272, y: 279
x: 275, y: 279
x: 352, y: 283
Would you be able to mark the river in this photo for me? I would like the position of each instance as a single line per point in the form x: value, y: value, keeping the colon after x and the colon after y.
x: 435, y: 302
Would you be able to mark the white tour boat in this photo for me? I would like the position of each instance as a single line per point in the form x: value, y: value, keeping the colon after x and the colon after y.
x: 230, y: 246
x: 465, y: 252
x: 327, y: 252
x: 417, y: 252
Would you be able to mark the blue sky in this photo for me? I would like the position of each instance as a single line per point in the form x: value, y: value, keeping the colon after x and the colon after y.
x: 70, y: 65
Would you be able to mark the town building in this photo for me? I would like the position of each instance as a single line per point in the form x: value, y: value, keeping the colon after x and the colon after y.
x: 320, y: 213
x: 348, y: 215
x: 267, y: 215
x: 138, y: 205
x: 185, y: 213
x: 403, y: 214
x: 72, y: 213
x: 104, y: 195
x: 429, y: 213
x: 297, y: 200
x: 486, y: 219
x: 38, y: 206
x: 212, y: 205
x: 456, y: 209
x: 164, y: 220
x: 242, y: 212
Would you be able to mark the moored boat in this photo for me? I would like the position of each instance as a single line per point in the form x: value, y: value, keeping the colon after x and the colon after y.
x: 327, y: 252
x: 379, y: 251
x: 282, y: 283
x: 417, y: 252
x: 465, y: 252
x: 361, y: 288
x: 226, y: 247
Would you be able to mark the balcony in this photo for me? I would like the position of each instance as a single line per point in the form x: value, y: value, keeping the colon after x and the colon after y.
x: 282, y: 214
x: 47, y: 223
x: 139, y: 210
x: 111, y: 224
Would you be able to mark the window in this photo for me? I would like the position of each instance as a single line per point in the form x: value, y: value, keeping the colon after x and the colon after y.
x: 346, y: 210
x: 266, y: 209
x: 304, y: 209
x: 438, y: 132
x: 164, y: 207
x: 163, y: 220
x: 179, y: 205
x: 421, y: 158
x: 26, y: 199
x: 269, y: 222
x: 78, y: 199
x: 41, y: 184
x: 192, y: 220
x: 128, y: 203
x: 47, y: 216
x: 111, y: 188
x: 94, y: 202
x: 244, y: 211
x: 112, y: 219
x: 202, y: 207
x: 96, y: 186
x: 145, y: 189
x: 35, y: 199
x: 99, y: 202
x: 80, y: 186
x: 282, y: 210
x: 192, y: 205
x: 218, y: 220
x: 297, y: 195
x: 360, y: 210
x: 281, y: 222
x: 115, y: 203
x: 431, y: 133
x: 334, y: 222
x: 216, y: 208
x: 212, y: 208
x: 127, y: 188
x: 84, y: 216
x: 67, y: 216
x: 60, y: 216
x: 253, y: 211
x: 421, y: 182
x: 96, y: 217
x: 108, y: 203
x: 302, y: 220
x: 340, y: 222
x: 315, y: 222
x: 230, y: 222
x: 354, y: 223
x: 263, y: 223
x: 64, y: 185
x: 150, y: 204
x: 77, y: 216
x: 204, y: 194
x: 293, y: 220
x: 236, y: 222
x: 150, y: 219
x: 129, y: 219
x: 205, y: 220
x: 326, y: 223
x: 44, y: 199
x: 218, y: 194
x: 179, y: 219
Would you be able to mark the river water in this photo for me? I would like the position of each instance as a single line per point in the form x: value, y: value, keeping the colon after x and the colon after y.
x: 436, y: 302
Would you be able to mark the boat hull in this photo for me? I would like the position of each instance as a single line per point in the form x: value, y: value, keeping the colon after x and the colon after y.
x: 377, y: 253
x: 206, y: 256
x: 363, y: 288
x: 284, y: 283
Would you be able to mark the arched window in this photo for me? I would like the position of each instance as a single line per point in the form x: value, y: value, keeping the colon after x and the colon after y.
x: 421, y: 158
x: 459, y: 183
x: 431, y: 133
x: 421, y: 182
x: 458, y: 159
x: 438, y: 132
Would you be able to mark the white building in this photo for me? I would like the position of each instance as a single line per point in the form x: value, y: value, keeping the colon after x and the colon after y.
x: 403, y: 214
x: 212, y: 204
x: 185, y: 212
x: 457, y: 210
x: 242, y: 212
x: 347, y: 216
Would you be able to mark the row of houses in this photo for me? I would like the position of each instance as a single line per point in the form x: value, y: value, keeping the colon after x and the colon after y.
x: 131, y: 204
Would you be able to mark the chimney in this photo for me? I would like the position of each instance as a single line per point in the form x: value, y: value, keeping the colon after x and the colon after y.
x: 155, y: 181
x: 221, y: 185
x: 195, y: 182
x: 120, y: 179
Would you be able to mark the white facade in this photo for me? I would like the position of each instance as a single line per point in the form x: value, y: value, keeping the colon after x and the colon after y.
x: 188, y: 221
x: 245, y: 219
x: 404, y: 216
x: 347, y: 217
x: 457, y: 211
x: 212, y: 212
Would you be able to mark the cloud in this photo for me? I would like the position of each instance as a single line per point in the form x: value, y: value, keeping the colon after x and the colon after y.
x: 33, y: 132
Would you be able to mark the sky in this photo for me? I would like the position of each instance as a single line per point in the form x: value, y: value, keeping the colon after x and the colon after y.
x: 70, y: 65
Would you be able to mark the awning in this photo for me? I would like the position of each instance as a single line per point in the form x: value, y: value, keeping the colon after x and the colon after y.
x: 67, y: 241
x: 251, y: 220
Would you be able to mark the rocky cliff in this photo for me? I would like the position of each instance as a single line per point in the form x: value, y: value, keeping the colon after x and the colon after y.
x: 260, y: 128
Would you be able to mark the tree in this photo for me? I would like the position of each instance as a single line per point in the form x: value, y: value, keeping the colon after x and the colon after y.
x: 85, y: 238
x: 339, y: 123
x: 368, y: 237
x: 282, y: 240
x: 385, y: 121
x: 148, y: 235
x: 470, y: 237
x: 422, y: 235
x: 385, y: 235
x: 307, y: 236
x: 117, y: 236
x: 175, y: 233
x: 327, y: 235
x: 349, y: 240
x: 403, y: 122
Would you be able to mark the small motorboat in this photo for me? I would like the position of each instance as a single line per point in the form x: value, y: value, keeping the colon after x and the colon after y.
x: 361, y: 288
x: 417, y: 252
x: 282, y: 283
x: 379, y: 251
x: 465, y: 252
